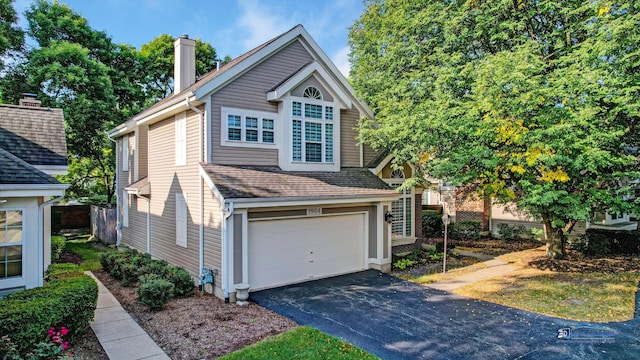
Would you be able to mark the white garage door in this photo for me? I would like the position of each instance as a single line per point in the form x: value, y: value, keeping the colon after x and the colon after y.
x: 294, y: 250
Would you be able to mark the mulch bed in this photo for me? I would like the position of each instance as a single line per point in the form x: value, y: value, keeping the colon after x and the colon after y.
x: 494, y: 247
x: 576, y: 262
x: 201, y: 326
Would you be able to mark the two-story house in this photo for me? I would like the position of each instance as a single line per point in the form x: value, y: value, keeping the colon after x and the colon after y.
x: 253, y: 172
x: 32, y: 149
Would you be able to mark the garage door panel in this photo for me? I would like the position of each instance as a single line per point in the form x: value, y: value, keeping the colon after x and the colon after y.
x: 293, y: 250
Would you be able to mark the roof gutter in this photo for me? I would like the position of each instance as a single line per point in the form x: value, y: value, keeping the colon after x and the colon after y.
x: 269, y: 202
x: 150, y: 115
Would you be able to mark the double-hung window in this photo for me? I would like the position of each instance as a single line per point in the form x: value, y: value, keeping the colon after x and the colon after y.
x: 11, y: 243
x: 248, y: 128
x: 312, y: 129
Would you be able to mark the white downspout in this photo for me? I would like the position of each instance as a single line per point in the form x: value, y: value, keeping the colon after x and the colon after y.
x: 200, y: 184
x: 228, y: 211
x: 118, y: 232
x: 41, y: 236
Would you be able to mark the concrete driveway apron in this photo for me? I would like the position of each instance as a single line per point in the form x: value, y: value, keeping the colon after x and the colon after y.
x: 396, y: 319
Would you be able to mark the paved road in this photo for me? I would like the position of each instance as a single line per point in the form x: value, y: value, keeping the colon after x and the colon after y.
x: 396, y: 319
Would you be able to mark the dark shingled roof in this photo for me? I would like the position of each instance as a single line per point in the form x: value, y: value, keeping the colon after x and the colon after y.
x: 34, y: 134
x: 272, y: 182
x: 13, y: 170
x: 381, y: 155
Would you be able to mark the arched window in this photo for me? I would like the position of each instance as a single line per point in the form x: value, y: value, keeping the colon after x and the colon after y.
x: 402, y: 208
x: 312, y: 92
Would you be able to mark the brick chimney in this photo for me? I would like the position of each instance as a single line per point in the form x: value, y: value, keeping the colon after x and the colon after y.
x: 29, y: 100
x: 184, y: 67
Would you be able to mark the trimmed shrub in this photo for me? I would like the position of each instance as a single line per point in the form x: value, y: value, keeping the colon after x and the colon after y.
x: 57, y: 246
x: 598, y: 242
x: 508, y: 232
x: 181, y: 280
x: 63, y: 270
x: 466, y: 229
x: 28, y: 315
x: 155, y: 293
x: 431, y: 223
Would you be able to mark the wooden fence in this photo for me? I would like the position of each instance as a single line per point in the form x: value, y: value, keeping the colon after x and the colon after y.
x: 103, y: 224
x: 69, y: 217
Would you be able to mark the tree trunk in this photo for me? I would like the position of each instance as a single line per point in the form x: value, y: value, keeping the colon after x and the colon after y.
x: 556, y: 241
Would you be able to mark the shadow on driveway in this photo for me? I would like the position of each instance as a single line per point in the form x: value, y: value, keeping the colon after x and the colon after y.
x: 396, y: 319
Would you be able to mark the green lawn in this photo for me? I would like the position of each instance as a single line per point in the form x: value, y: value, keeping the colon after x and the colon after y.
x: 89, y: 253
x: 300, y: 343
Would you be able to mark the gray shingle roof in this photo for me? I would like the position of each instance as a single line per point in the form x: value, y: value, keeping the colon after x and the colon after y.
x: 272, y: 182
x: 13, y: 170
x: 35, y: 135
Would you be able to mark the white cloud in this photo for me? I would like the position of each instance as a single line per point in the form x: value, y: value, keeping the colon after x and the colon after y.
x: 260, y: 22
x: 341, y: 59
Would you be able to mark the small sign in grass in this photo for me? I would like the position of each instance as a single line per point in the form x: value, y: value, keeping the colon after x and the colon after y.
x: 301, y: 343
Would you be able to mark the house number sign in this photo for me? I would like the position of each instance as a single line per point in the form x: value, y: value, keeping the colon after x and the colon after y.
x: 314, y: 211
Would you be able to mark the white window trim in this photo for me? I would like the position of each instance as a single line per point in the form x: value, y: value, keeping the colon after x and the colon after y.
x: 286, y: 161
x: 244, y: 113
x: 181, y: 138
x: 125, y: 208
x: 181, y: 219
x: 125, y: 153
x: 21, y: 244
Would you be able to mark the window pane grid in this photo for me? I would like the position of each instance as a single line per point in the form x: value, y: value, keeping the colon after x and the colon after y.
x: 296, y: 109
x: 328, y: 144
x: 297, y: 140
x: 313, y: 152
x: 10, y: 243
x: 328, y: 113
x: 313, y: 111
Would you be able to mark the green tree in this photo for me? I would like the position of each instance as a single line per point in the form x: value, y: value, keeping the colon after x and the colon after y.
x: 95, y: 81
x: 158, y: 57
x: 536, y: 101
x: 11, y: 36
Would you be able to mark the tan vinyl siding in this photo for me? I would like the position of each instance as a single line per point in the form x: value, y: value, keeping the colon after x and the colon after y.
x: 136, y: 233
x: 349, y: 149
x: 368, y: 154
x: 142, y: 151
x: 213, y: 235
x: 249, y: 91
x: 312, y: 81
x: 166, y: 180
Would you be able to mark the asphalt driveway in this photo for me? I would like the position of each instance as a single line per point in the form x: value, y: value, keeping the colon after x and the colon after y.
x: 396, y: 319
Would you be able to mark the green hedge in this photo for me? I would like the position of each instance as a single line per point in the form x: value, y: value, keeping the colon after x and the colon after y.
x: 431, y: 223
x: 597, y: 242
x: 133, y: 268
x: 66, y: 301
x: 57, y: 246
x: 465, y: 230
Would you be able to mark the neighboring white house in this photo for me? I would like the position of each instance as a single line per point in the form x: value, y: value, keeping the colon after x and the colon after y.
x: 253, y: 172
x: 32, y: 148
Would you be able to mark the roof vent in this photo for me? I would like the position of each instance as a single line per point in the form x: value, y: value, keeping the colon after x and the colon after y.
x: 29, y: 100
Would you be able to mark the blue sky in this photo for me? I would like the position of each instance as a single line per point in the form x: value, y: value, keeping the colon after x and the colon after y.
x: 232, y: 27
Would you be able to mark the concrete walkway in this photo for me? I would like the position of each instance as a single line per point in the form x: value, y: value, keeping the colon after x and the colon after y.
x: 120, y: 336
x: 494, y: 267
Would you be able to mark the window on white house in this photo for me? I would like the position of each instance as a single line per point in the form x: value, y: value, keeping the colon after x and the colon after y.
x: 248, y: 128
x: 125, y: 208
x: 125, y: 153
x: 401, y: 209
x: 11, y: 243
x: 181, y: 139
x: 181, y: 220
x: 312, y: 128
